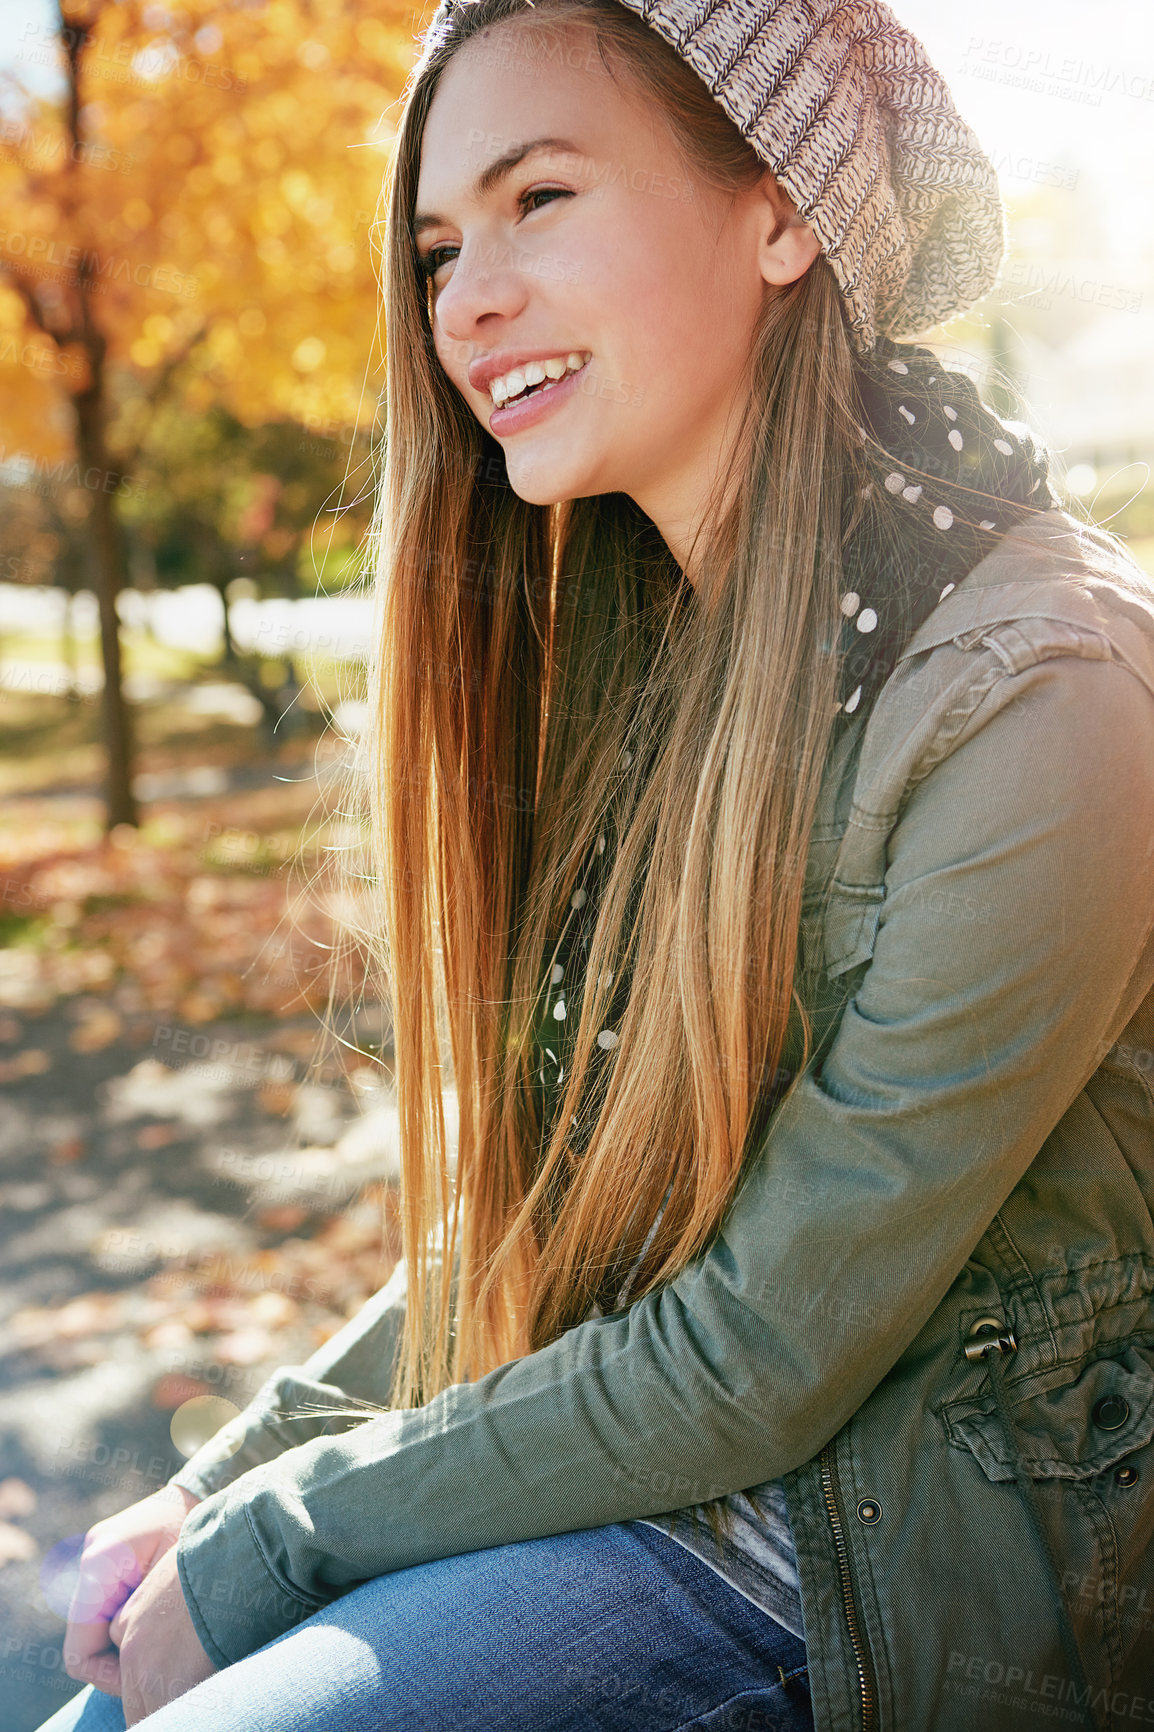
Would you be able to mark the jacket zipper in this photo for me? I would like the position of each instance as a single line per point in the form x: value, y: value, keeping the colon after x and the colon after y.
x: 861, y: 1659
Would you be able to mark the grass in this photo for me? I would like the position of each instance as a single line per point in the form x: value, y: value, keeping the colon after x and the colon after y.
x: 50, y: 742
x: 141, y: 653
x: 203, y: 911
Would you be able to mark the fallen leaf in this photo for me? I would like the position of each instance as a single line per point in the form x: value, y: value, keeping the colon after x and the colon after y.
x: 91, y: 1314
x: 275, y: 1310
x: 156, y: 1136
x: 297, y: 1042
x: 167, y: 1335
x: 277, y: 1097
x: 70, y: 1149
x: 172, y: 1390
x: 245, y: 1347
x: 282, y: 1218
x: 98, y: 1030
x: 31, y: 1062
x: 16, y: 1498
x: 16, y: 1547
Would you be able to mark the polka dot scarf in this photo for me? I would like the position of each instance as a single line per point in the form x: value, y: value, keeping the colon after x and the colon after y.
x: 957, y: 478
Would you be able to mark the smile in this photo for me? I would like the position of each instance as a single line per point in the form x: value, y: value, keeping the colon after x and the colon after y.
x: 536, y: 402
x: 534, y: 375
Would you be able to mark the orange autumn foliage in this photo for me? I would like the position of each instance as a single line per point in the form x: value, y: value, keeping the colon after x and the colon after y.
x: 219, y: 206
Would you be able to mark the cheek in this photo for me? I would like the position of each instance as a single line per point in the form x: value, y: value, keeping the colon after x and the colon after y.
x: 453, y: 356
x: 663, y: 285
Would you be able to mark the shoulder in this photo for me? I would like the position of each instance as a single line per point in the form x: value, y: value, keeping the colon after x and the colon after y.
x: 1050, y: 574
x: 1018, y: 632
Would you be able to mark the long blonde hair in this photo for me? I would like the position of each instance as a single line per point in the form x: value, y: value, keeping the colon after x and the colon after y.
x: 519, y: 649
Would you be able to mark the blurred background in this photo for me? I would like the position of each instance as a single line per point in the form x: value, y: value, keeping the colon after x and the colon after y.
x: 195, y: 1186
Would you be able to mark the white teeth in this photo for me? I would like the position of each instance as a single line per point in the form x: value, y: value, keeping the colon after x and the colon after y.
x: 535, y: 373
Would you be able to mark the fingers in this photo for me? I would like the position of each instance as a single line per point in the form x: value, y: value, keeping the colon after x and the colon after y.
x: 107, y: 1574
x: 145, y: 1692
x: 83, y: 1643
x: 160, y: 1653
x: 101, y: 1670
x: 108, y: 1571
x: 126, y: 1573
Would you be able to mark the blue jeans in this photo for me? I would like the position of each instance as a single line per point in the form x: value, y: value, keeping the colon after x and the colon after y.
x: 613, y: 1629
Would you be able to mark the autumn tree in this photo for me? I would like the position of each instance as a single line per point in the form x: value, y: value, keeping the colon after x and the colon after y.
x: 188, y: 221
x: 280, y: 505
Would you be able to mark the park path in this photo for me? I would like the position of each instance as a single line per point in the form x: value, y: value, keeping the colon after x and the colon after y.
x: 183, y: 1210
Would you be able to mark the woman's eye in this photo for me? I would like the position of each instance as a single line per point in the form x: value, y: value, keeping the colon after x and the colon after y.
x: 432, y: 261
x: 543, y: 192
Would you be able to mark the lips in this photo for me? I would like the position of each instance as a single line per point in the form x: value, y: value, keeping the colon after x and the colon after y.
x: 532, y: 406
x: 485, y: 368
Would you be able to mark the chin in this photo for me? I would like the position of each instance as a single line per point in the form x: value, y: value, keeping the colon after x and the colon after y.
x: 547, y: 485
x: 539, y: 495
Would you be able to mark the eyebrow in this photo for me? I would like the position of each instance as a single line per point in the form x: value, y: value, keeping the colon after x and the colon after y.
x: 496, y: 171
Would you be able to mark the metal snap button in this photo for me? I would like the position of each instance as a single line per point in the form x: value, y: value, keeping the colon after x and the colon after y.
x: 986, y: 1334
x: 1126, y: 1476
x: 1111, y: 1412
x: 868, y: 1511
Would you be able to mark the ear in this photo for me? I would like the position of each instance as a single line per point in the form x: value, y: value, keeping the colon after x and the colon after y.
x: 787, y: 245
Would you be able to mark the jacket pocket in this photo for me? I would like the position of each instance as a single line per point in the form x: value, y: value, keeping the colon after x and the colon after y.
x: 1065, y: 1430
x: 811, y: 940
x: 851, y: 925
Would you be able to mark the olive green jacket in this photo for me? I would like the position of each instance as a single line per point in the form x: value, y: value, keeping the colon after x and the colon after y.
x: 973, y: 1138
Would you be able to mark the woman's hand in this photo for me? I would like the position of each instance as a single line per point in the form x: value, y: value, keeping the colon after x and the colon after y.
x: 118, y: 1555
x: 160, y: 1652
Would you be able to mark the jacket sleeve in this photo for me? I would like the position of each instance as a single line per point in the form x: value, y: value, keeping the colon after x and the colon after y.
x: 961, y: 1048
x: 353, y: 1366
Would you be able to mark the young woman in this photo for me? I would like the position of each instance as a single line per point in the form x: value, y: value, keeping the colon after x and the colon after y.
x: 760, y: 793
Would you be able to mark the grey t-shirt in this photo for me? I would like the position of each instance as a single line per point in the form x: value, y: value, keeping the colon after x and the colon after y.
x: 758, y: 1557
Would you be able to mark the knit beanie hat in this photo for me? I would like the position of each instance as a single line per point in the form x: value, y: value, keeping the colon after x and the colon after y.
x: 842, y: 103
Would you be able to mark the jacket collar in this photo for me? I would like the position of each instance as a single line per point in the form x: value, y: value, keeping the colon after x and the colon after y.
x: 1060, y: 569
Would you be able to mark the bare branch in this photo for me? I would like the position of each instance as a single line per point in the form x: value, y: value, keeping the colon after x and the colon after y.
x: 165, y: 379
x: 73, y: 41
x: 28, y: 295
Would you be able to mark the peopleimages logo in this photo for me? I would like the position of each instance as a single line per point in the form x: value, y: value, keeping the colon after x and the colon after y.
x: 1031, y: 168
x: 17, y: 137
x: 1046, y: 1693
x: 40, y: 358
x: 1043, y: 281
x: 1029, y: 67
x: 128, y: 62
x: 38, y: 474
x: 44, y: 255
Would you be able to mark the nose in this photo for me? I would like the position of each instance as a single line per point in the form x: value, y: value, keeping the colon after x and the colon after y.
x: 484, y: 289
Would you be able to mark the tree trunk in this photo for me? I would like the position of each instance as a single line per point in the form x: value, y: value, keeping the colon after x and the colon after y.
x: 106, y: 539
x: 108, y: 562
x: 68, y: 648
x: 229, y: 642
x: 142, y: 577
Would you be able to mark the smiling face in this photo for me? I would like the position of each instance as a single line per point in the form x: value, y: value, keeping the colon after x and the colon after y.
x: 597, y: 247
